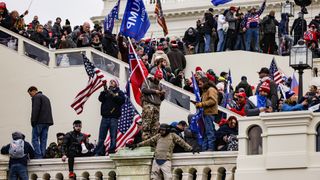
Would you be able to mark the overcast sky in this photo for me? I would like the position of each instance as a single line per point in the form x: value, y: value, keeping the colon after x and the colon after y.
x: 77, y: 11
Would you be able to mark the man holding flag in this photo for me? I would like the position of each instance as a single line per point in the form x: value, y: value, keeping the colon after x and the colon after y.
x: 112, y: 98
x: 151, y: 98
x: 209, y: 104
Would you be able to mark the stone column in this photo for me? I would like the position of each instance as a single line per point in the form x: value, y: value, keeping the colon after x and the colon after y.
x: 133, y: 164
x: 229, y: 175
x: 4, y: 166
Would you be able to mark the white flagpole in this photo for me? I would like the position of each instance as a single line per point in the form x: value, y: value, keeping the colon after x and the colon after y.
x: 30, y: 5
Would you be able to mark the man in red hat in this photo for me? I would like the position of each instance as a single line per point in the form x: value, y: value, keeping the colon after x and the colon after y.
x: 241, y: 102
x: 259, y: 103
x: 151, y: 98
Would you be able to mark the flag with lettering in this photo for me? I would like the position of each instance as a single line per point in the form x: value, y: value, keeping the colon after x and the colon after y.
x: 219, y: 2
x: 127, y: 124
x: 197, y: 125
x: 138, y: 73
x: 160, y: 17
x: 108, y: 22
x: 135, y: 22
x: 275, y: 74
x: 95, y: 82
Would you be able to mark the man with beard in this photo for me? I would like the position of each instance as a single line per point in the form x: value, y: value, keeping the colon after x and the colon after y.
x: 164, y: 142
x: 151, y: 98
x: 71, y: 146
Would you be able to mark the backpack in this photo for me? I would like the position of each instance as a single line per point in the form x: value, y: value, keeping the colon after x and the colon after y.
x: 16, y: 149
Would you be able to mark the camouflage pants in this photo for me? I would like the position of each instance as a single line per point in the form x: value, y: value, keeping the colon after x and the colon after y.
x: 150, y: 120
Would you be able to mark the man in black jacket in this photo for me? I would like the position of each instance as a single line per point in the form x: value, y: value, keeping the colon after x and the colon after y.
x: 41, y: 119
x: 71, y: 146
x: 111, y: 99
x: 299, y: 26
x: 18, y: 165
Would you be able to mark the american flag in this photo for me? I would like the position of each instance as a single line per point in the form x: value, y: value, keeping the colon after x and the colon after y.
x: 160, y: 18
x: 275, y: 73
x: 108, y: 22
x: 127, y: 126
x: 96, y: 81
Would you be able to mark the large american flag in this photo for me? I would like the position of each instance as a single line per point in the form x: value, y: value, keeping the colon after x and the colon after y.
x: 160, y: 18
x: 96, y: 81
x: 275, y: 73
x: 127, y: 126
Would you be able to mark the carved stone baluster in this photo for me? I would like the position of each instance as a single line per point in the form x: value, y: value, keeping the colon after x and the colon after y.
x: 186, y: 176
x: 229, y: 175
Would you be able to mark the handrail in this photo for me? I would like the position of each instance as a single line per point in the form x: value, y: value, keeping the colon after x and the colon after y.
x: 89, y: 51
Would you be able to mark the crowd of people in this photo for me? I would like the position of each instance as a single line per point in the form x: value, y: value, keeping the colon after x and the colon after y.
x: 165, y: 60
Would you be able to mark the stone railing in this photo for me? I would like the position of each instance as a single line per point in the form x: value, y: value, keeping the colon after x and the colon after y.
x: 281, y: 145
x: 133, y: 165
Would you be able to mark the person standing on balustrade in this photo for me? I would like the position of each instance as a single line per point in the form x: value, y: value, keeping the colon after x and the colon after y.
x: 112, y: 98
x: 151, y: 98
x: 41, y: 119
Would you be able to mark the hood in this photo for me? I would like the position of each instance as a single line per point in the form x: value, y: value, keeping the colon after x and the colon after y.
x: 18, y: 135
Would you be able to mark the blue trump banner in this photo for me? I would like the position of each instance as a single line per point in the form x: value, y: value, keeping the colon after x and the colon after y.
x: 135, y: 23
x: 197, y: 125
x: 108, y: 22
x: 218, y: 2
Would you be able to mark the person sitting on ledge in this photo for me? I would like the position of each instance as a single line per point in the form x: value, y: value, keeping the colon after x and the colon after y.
x: 164, y: 142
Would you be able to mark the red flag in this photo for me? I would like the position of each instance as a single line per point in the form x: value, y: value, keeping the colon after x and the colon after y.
x: 160, y: 18
x: 139, y: 73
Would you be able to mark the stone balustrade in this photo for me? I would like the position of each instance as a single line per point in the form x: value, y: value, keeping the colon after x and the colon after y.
x: 133, y: 165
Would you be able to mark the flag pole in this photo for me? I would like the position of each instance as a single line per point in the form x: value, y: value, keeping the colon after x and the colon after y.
x: 140, y: 67
x: 30, y: 4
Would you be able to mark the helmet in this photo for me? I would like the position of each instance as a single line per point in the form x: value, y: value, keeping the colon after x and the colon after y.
x: 165, y: 127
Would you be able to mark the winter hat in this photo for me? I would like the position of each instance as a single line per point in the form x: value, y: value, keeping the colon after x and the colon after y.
x: 289, y: 94
x: 2, y: 5
x: 174, y: 43
x: 198, y: 68
x: 158, y: 74
x: 116, y: 81
x: 242, y: 94
x: 264, y: 70
x: 220, y: 86
x: 210, y: 77
x: 265, y: 86
x: 17, y: 135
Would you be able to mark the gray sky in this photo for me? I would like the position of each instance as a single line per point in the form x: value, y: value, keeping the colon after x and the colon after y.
x: 77, y: 11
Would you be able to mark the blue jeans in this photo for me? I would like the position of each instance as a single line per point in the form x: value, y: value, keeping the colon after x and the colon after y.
x: 209, y: 137
x: 39, y: 139
x: 239, y: 43
x: 105, y: 125
x: 252, y: 34
x: 18, y: 171
x: 207, y: 43
x: 221, y: 40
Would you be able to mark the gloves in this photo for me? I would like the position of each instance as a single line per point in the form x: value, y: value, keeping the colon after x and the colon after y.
x: 195, y: 150
x: 132, y: 146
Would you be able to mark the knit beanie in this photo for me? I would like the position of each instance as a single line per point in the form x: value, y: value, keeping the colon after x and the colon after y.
x: 265, y: 86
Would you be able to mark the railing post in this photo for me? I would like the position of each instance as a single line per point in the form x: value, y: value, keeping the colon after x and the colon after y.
x: 133, y: 165
x: 186, y: 176
x: 4, y: 166
x: 52, y: 59
x: 20, y: 47
x: 229, y: 175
